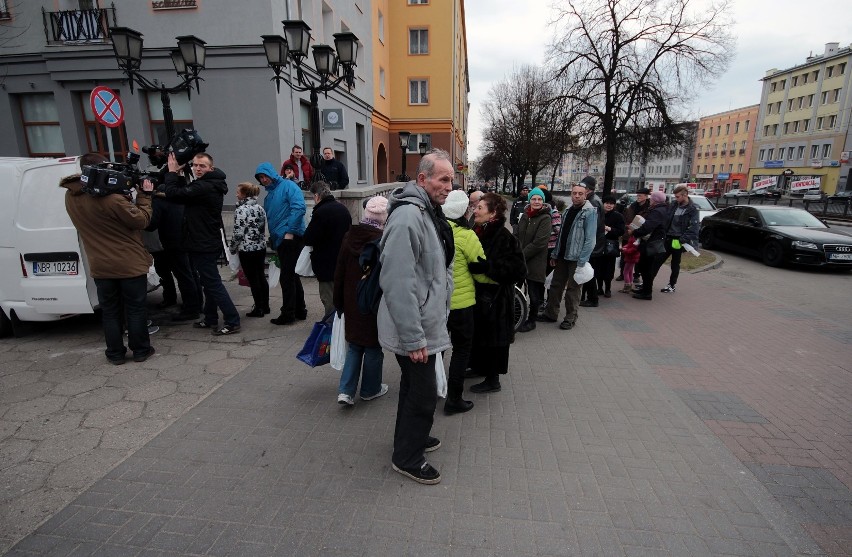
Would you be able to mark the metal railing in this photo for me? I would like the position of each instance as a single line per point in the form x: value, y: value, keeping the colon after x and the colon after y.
x: 823, y: 208
x: 78, y: 26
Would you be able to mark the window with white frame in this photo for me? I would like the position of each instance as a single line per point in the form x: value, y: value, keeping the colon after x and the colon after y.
x: 796, y: 126
x: 415, y: 139
x: 418, y: 91
x: 814, y: 151
x: 801, y: 102
x: 823, y: 99
x: 800, y: 153
x: 40, y: 118
x: 829, y: 71
x: 790, y: 104
x: 418, y: 41
x: 826, y: 150
x: 4, y: 10
x: 747, y: 124
x: 771, y: 153
x: 832, y: 120
x: 819, y: 122
x: 836, y: 97
x: 786, y: 127
x: 382, y: 82
x: 740, y: 167
x: 790, y: 153
x: 810, y: 101
x: 743, y: 145
x: 761, y: 155
x: 806, y: 124
x: 181, y: 113
x: 737, y: 127
x: 414, y: 2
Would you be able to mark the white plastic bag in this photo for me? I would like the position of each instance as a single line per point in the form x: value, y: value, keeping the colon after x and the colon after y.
x: 690, y: 249
x: 440, y: 375
x: 153, y: 279
x: 338, y: 343
x: 584, y: 273
x: 303, y: 264
x: 548, y: 280
x: 234, y: 262
x: 274, y: 274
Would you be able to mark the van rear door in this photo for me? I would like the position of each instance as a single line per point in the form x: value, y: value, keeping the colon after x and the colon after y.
x: 55, y: 276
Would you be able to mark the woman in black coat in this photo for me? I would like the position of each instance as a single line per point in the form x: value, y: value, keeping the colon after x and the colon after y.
x: 614, y: 230
x: 504, y: 265
x: 653, y: 234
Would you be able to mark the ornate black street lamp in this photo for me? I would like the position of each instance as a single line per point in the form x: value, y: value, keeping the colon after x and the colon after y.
x: 334, y: 67
x: 188, y: 59
x: 403, y: 144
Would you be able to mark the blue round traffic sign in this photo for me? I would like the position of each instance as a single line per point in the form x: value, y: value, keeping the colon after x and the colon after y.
x: 107, y: 107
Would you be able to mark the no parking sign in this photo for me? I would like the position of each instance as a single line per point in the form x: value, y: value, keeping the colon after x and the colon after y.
x: 107, y: 107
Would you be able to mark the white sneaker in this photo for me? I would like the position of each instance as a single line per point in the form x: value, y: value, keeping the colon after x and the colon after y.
x: 383, y: 391
x: 668, y: 289
x: 343, y: 398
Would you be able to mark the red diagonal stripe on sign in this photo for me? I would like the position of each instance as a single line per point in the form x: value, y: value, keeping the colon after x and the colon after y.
x: 108, y: 106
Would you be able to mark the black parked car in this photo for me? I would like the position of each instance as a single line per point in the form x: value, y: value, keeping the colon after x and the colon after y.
x: 778, y: 235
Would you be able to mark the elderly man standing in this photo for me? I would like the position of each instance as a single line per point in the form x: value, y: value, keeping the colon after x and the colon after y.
x: 285, y: 214
x: 110, y: 227
x: 330, y: 221
x: 417, y: 281
x: 574, y: 247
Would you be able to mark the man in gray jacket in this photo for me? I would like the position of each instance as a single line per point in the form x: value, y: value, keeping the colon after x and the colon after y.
x: 417, y: 283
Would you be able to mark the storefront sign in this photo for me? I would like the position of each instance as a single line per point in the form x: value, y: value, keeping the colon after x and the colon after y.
x: 765, y: 183
x: 703, y: 176
x: 723, y: 175
x: 816, y: 163
x: 810, y: 183
x: 773, y: 164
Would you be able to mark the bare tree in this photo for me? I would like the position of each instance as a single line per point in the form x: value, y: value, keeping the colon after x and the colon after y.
x: 628, y: 65
x: 489, y: 167
x: 526, y: 122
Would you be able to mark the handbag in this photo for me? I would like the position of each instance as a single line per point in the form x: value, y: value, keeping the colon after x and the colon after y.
x: 338, y: 342
x: 317, y: 349
x: 303, y: 264
x: 655, y: 247
x: 611, y: 249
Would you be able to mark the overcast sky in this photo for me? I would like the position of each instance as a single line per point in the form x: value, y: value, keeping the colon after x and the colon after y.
x: 503, y: 34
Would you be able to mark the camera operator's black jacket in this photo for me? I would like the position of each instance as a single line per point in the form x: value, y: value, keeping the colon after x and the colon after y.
x: 202, y: 215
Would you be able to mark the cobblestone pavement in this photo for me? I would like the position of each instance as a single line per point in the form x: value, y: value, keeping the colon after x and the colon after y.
x: 623, y: 436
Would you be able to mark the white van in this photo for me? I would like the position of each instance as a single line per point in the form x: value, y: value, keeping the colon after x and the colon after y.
x: 44, y: 274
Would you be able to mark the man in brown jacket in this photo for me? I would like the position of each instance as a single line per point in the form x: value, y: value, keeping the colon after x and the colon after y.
x: 110, y: 227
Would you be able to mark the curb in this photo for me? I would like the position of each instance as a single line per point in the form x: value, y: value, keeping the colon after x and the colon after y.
x: 710, y: 266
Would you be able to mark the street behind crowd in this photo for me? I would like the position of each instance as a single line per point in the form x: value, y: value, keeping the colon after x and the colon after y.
x: 715, y: 420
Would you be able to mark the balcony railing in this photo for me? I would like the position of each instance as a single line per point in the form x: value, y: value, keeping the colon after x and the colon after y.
x: 78, y: 26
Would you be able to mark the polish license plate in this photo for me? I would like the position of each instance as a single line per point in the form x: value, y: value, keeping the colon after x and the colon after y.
x: 47, y: 268
x: 840, y: 256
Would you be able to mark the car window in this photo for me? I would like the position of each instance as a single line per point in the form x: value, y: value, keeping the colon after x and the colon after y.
x: 791, y: 217
x: 729, y: 213
x: 702, y: 202
x: 749, y: 212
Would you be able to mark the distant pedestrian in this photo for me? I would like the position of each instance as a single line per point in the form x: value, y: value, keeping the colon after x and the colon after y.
x: 364, y: 356
x: 330, y: 221
x: 249, y: 242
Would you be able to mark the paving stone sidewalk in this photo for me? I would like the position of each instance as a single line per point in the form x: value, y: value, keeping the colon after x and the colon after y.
x: 588, y: 450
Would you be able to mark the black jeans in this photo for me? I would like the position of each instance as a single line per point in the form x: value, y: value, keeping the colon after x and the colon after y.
x: 460, y: 326
x: 590, y: 288
x: 161, y: 265
x: 120, y: 299
x: 676, y: 255
x: 536, y: 292
x: 176, y: 262
x: 649, y: 266
x: 252, y: 263
x: 415, y: 411
x: 215, y: 295
x: 292, y: 294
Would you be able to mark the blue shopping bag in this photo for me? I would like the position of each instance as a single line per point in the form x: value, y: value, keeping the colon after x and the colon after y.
x: 317, y: 349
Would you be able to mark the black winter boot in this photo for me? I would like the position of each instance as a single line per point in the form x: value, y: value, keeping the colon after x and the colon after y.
x: 490, y: 385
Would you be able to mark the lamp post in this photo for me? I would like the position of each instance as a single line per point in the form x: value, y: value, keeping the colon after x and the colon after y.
x: 188, y: 59
x: 334, y: 67
x: 403, y: 145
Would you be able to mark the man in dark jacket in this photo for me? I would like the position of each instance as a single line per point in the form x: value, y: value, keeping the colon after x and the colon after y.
x: 203, y: 236
x: 110, y: 227
x: 333, y: 170
x: 683, y: 219
x: 167, y: 221
x: 518, y: 208
x: 330, y: 222
x: 639, y: 207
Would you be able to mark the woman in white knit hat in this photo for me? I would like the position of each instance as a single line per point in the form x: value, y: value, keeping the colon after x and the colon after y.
x: 460, y: 322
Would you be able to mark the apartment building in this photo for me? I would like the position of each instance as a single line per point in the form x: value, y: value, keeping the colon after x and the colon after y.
x: 723, y: 147
x: 427, y: 81
x: 659, y: 172
x: 803, y: 134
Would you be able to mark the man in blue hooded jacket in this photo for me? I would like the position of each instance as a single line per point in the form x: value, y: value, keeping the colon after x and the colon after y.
x: 285, y: 214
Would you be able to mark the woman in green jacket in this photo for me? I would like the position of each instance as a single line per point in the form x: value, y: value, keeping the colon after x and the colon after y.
x: 460, y: 321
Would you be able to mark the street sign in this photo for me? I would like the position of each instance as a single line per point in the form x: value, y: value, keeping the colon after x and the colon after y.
x: 107, y: 107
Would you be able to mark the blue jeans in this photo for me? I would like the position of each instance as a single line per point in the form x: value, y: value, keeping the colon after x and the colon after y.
x: 120, y: 299
x: 371, y: 383
x: 215, y: 295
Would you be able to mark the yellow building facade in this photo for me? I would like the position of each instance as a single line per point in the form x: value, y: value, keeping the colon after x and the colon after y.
x: 723, y: 146
x: 421, y: 83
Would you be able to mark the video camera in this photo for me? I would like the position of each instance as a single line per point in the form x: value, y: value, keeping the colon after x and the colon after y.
x: 112, y: 177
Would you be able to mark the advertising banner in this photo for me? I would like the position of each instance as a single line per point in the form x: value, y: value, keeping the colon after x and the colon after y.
x: 765, y: 183
x: 808, y: 184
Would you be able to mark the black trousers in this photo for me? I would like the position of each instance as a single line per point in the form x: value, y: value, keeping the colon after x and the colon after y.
x: 252, y: 263
x: 292, y: 294
x: 460, y: 326
x: 536, y: 292
x: 676, y: 256
x: 649, y: 266
x: 174, y: 262
x: 415, y: 411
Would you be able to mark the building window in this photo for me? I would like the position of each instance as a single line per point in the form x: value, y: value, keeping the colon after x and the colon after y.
x: 819, y: 122
x: 804, y: 78
x: 829, y: 71
x: 746, y: 124
x: 414, y: 2
x: 727, y: 129
x: 815, y: 75
x: 718, y: 130
x: 783, y: 83
x: 713, y: 169
x: 381, y: 27
x: 823, y: 98
x: 790, y: 153
x: 801, y: 102
x: 737, y: 127
x: 826, y: 150
x: 418, y: 41
x: 418, y: 91
x: 774, y: 129
x: 832, y: 120
x: 806, y: 124
x: 786, y: 127
x: 4, y: 10
x: 814, y: 151
x: 773, y: 87
x: 842, y: 69
x: 382, y: 82
x: 742, y: 146
x: 702, y: 132
x: 771, y: 154
x: 181, y: 110
x: 705, y: 169
x: 800, y: 152
x: 765, y: 131
x: 810, y: 101
x: 761, y: 155
x: 795, y: 81
x: 415, y: 139
x: 795, y: 126
x: 790, y: 104
x: 836, y: 96
x: 740, y: 167
x: 360, y: 149
x: 711, y: 132
x: 96, y: 134
x: 41, y: 125
x: 730, y: 168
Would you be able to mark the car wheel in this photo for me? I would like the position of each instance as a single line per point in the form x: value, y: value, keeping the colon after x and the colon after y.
x: 5, y: 325
x: 708, y: 240
x: 773, y: 254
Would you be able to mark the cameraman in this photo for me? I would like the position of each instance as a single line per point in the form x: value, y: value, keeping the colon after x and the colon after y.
x: 110, y: 227
x: 203, y: 236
